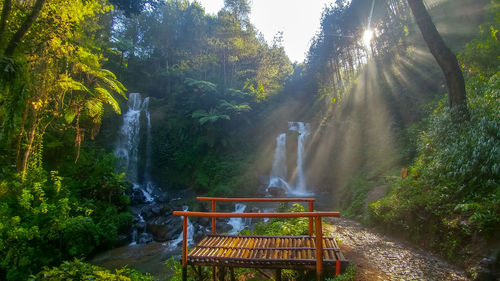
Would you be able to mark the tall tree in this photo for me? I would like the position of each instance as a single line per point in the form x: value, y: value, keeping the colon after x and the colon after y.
x: 7, y: 5
x: 240, y: 9
x: 446, y: 60
x: 28, y: 22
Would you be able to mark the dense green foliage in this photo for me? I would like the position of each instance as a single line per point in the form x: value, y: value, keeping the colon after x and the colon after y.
x: 453, y: 189
x: 219, y: 93
x: 50, y: 218
x: 78, y: 270
x: 53, y: 89
x: 210, y: 78
x: 284, y: 226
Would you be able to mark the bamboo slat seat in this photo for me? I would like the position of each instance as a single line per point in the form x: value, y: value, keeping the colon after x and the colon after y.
x: 294, y: 252
x: 278, y: 252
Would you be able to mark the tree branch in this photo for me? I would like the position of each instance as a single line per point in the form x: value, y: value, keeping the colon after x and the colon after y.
x: 7, y: 5
x: 28, y: 22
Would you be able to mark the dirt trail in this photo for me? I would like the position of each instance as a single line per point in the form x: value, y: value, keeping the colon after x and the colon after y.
x: 379, y: 257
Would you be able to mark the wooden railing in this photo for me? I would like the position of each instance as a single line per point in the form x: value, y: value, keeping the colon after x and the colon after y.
x: 310, y: 202
x: 312, y: 215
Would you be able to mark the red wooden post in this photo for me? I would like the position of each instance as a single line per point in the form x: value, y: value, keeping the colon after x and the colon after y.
x: 184, y: 247
x: 214, y: 227
x: 319, y: 249
x: 404, y: 172
x: 311, y: 209
x: 337, y: 267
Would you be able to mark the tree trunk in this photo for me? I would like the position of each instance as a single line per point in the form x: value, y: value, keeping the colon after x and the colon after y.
x: 446, y: 60
x: 7, y: 5
x: 20, y: 137
x: 29, y: 147
x: 28, y: 22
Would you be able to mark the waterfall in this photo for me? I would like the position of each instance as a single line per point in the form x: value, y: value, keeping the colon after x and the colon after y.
x: 278, y: 176
x: 148, y: 184
x: 303, y: 130
x: 278, y: 172
x: 127, y: 146
x: 190, y: 232
x: 127, y: 151
x: 238, y: 224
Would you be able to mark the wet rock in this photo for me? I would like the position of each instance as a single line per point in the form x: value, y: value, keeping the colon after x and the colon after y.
x: 146, y: 212
x: 123, y: 240
x: 200, y: 233
x: 140, y: 225
x: 489, y: 268
x: 137, y: 197
x: 156, y: 209
x: 164, y: 228
x: 145, y: 238
x: 223, y: 227
x: 255, y: 210
x: 275, y: 191
x: 163, y: 198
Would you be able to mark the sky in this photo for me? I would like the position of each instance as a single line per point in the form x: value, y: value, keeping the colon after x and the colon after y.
x: 298, y: 19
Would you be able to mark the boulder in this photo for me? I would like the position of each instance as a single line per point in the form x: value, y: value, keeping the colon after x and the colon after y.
x: 163, y: 198
x: 223, y: 227
x: 137, y: 197
x: 255, y: 210
x: 165, y: 228
x: 145, y: 238
x: 275, y: 191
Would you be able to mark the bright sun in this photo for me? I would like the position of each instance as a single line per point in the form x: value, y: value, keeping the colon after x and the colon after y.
x: 367, y: 37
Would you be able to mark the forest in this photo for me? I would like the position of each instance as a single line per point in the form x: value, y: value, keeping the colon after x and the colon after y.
x: 114, y: 113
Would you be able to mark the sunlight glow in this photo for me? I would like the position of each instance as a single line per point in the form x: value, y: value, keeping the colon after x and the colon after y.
x: 367, y: 37
x: 299, y: 21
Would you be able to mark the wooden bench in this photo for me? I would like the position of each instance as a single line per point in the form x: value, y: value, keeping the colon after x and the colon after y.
x: 254, y: 251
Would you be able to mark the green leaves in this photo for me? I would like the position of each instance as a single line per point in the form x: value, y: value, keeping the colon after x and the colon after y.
x: 106, y: 97
x: 211, y: 116
x: 78, y: 270
x: 234, y: 107
x: 201, y: 86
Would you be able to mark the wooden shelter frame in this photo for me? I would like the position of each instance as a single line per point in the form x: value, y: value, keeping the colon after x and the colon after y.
x: 316, y: 246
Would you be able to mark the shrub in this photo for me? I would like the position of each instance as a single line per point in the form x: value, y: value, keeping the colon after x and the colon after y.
x: 78, y: 270
x: 452, y: 193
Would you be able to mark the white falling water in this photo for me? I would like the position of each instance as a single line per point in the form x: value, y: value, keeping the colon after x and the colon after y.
x: 134, y: 237
x: 303, y: 130
x: 278, y: 174
x: 190, y: 233
x: 148, y: 183
x: 238, y: 224
x: 127, y: 146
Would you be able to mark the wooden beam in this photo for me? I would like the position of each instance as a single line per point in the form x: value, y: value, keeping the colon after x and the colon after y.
x: 220, y: 199
x: 319, y: 250
x: 311, y: 209
x: 184, y: 247
x: 257, y: 215
x: 214, y: 227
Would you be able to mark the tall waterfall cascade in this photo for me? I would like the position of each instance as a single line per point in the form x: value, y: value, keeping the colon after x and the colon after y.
x: 127, y: 146
x: 279, y: 173
x: 127, y: 151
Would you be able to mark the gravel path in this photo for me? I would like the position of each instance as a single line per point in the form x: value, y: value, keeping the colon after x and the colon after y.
x: 379, y: 257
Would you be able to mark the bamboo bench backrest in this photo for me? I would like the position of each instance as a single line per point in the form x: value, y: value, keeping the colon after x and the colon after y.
x: 310, y: 202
